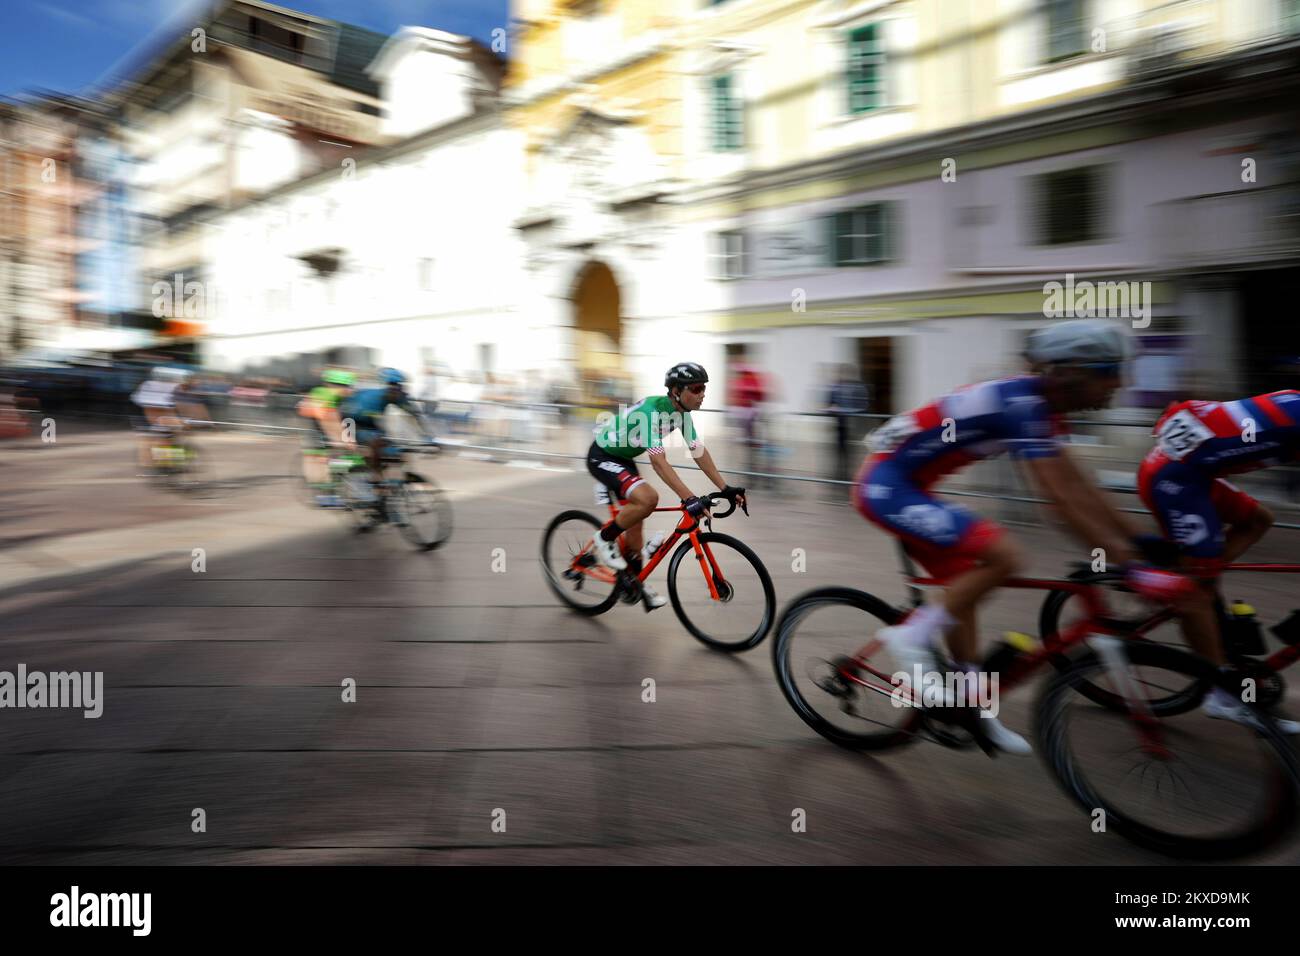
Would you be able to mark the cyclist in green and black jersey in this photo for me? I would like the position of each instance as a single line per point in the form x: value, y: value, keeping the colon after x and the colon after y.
x: 642, y: 428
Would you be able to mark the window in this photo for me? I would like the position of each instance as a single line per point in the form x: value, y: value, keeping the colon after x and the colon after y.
x: 728, y: 114
x: 728, y: 255
x: 861, y: 236
x: 865, y: 80
x: 1066, y: 30
x: 274, y: 40
x: 1068, y: 206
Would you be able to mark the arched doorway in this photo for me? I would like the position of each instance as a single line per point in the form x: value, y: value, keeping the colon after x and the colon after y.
x: 597, y: 334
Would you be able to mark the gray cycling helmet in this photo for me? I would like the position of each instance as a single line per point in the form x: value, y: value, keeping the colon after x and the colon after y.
x: 1078, y: 342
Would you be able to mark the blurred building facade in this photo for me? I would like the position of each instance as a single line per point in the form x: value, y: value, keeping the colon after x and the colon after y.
x: 905, y: 178
x: 891, y: 184
x: 43, y: 186
x: 406, y: 256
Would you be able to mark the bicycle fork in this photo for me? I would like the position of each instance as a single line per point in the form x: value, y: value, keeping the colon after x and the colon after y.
x: 1111, y: 651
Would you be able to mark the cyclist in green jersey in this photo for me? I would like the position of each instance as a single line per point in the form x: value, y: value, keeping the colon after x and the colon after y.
x: 322, y: 403
x: 642, y: 429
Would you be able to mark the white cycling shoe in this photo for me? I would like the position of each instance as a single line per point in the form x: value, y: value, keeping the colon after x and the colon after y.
x: 1222, y: 706
x: 607, y: 553
x: 1008, y: 741
x: 653, y: 599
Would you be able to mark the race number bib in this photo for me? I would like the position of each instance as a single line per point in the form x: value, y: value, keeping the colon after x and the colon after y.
x: 893, y: 433
x: 1182, y: 434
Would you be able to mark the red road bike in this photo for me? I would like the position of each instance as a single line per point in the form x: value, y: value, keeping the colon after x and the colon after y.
x: 729, y: 606
x: 1243, y: 643
x: 1183, y: 785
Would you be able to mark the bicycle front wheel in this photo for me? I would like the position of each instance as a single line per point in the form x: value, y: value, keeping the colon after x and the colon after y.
x: 1188, y: 786
x: 422, y: 512
x: 736, y: 612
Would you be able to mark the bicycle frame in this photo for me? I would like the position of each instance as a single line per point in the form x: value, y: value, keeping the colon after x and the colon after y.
x: 1077, y: 633
x: 1094, y: 624
x: 1279, y: 659
x: 686, y: 526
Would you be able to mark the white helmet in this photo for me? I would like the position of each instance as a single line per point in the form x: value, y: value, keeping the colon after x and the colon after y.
x: 1077, y: 342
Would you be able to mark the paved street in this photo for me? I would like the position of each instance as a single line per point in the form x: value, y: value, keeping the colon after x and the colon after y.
x: 476, y: 691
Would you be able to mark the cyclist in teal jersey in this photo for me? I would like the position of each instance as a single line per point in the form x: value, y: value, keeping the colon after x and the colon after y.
x: 642, y: 429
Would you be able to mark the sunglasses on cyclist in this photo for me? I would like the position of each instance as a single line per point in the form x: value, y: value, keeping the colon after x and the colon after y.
x: 696, y: 389
x: 1105, y: 369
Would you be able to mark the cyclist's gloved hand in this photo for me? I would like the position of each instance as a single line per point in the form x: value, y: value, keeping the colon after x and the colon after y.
x: 736, y: 496
x: 695, y: 506
x: 1158, y: 584
x: 1157, y: 550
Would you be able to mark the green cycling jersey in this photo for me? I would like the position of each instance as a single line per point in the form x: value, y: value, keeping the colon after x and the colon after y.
x: 327, y: 396
x: 643, y: 427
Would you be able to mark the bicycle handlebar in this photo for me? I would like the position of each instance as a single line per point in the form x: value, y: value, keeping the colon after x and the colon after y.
x: 719, y: 496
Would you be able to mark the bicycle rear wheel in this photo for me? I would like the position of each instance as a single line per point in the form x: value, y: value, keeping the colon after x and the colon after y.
x: 570, y: 568
x: 1195, y: 787
x: 421, y: 511
x: 835, y: 676
x: 741, y: 612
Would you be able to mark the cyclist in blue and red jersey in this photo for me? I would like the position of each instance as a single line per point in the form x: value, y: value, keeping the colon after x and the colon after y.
x: 1076, y: 365
x: 1212, y: 521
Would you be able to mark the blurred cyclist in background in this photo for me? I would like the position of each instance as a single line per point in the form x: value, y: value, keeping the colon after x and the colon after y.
x: 365, y: 409
x: 321, y: 404
x: 167, y: 403
x: 1076, y: 365
x: 1212, y: 521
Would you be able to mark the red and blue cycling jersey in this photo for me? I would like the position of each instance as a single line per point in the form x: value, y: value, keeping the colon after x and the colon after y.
x: 914, y: 450
x: 1197, y: 443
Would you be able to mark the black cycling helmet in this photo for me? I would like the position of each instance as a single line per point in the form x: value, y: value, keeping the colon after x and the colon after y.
x: 685, y: 373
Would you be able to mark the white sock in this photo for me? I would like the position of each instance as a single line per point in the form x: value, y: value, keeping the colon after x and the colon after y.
x: 926, y: 625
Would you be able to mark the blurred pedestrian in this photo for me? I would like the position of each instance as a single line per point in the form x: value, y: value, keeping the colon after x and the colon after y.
x: 846, y: 401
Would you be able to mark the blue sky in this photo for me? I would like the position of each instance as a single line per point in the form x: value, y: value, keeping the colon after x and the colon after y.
x: 68, y: 45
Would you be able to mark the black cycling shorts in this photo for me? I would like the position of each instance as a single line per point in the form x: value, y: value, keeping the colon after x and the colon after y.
x: 619, y: 475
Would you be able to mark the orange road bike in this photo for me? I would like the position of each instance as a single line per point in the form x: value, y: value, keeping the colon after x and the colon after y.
x: 729, y: 605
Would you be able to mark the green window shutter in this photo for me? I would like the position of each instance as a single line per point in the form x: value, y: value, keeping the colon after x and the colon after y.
x: 1066, y: 36
x: 865, y: 79
x: 728, y: 133
x: 888, y: 231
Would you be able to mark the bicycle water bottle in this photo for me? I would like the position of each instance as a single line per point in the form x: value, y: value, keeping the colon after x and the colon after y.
x: 1242, y: 636
x: 652, y: 545
x: 1007, y: 651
